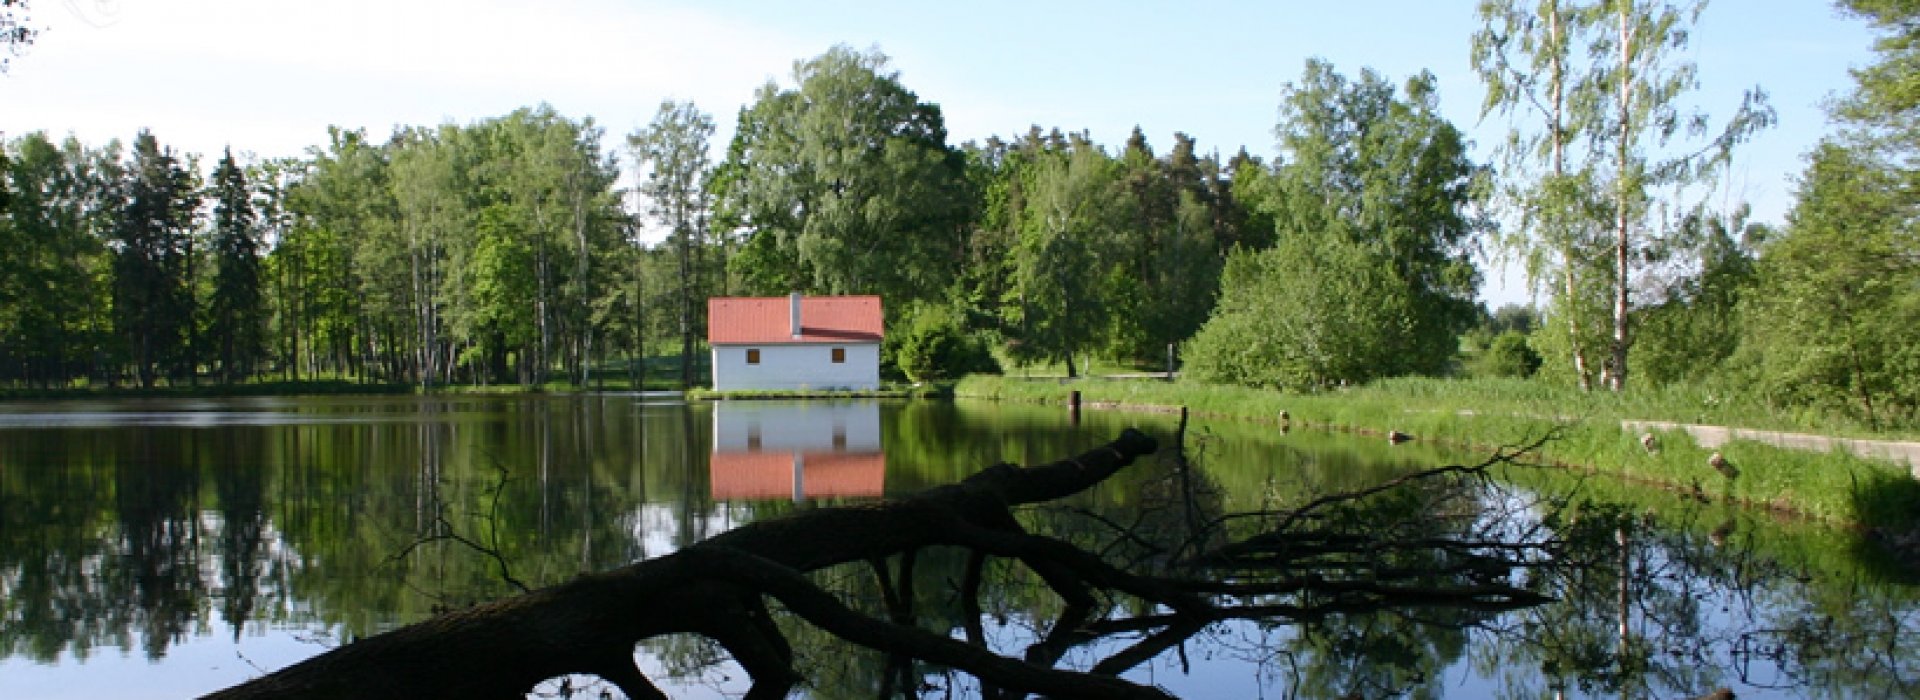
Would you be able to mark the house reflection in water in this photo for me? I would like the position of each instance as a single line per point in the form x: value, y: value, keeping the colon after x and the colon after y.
x: 779, y: 449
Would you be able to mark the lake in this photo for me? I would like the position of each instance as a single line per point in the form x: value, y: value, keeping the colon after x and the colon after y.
x: 168, y: 548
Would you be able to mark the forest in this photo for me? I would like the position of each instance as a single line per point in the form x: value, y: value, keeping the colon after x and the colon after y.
x: 533, y: 247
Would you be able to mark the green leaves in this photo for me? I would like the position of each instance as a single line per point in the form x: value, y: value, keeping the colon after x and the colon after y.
x: 1842, y: 291
x: 1314, y: 311
x: 845, y: 184
x: 1373, y: 211
x: 237, y: 313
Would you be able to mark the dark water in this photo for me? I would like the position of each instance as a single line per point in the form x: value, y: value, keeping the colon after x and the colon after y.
x: 169, y: 548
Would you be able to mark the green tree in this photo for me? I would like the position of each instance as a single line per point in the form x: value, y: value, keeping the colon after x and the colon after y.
x: 498, y: 280
x: 1525, y: 55
x: 1837, y: 290
x: 1169, y: 257
x: 273, y: 181
x: 1842, y: 290
x: 54, y: 263
x: 672, y: 150
x: 934, y: 344
x: 431, y: 195
x: 1059, y: 266
x: 552, y: 170
x: 1885, y: 100
x: 1642, y: 84
x: 1315, y: 310
x: 236, y: 306
x: 153, y: 301
x: 845, y: 184
x: 1696, y: 328
x: 342, y: 198
x: 1375, y: 202
x: 1509, y: 356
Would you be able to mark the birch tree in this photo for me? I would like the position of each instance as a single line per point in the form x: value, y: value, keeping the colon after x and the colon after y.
x: 672, y: 153
x: 1642, y: 79
x: 1525, y: 55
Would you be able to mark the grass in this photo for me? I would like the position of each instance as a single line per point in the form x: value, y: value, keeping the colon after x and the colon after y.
x: 924, y: 391
x: 1585, y: 427
x: 312, y: 387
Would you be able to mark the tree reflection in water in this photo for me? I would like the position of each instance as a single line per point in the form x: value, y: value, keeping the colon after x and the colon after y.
x: 146, y: 537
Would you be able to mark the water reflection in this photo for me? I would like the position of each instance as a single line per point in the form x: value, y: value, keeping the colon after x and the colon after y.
x: 796, y: 450
x: 162, y: 554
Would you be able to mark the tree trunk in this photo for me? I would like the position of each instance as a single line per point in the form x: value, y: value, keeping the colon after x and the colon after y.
x: 1569, y: 251
x: 1616, y: 369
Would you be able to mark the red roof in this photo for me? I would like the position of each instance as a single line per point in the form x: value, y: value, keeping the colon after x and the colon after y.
x: 748, y: 476
x: 768, y: 320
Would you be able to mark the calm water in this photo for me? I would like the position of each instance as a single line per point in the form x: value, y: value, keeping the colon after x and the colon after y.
x: 172, y: 547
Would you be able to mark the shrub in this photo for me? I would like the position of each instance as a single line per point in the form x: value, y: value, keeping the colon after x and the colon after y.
x: 1509, y: 355
x: 935, y: 345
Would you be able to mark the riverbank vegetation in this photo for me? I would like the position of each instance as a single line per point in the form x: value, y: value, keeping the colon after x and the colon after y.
x: 505, y: 252
x: 1585, y: 426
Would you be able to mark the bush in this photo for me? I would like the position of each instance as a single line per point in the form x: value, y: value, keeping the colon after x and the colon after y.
x: 1508, y: 355
x: 935, y: 345
x: 1316, y: 311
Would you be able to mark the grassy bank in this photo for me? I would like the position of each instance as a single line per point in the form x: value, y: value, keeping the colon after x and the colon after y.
x: 1586, y: 433
x: 318, y: 387
x: 926, y: 391
x: 334, y: 386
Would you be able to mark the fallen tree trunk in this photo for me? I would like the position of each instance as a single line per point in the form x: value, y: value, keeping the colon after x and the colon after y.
x: 1279, y: 565
x: 716, y: 588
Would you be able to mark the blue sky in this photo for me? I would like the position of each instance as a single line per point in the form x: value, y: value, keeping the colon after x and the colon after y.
x: 269, y: 77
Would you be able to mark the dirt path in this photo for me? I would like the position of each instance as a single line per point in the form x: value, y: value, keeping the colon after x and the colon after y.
x: 1712, y: 436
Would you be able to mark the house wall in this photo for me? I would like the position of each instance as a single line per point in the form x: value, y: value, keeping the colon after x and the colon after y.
x: 768, y: 426
x: 796, y: 366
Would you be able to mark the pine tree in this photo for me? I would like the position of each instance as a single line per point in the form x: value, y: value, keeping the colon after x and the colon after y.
x: 237, y: 309
x: 153, y: 304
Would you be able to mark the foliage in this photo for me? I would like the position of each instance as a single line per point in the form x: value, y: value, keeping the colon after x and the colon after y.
x: 1525, y: 55
x: 1374, y: 213
x: 1642, y: 118
x: 934, y: 345
x: 1082, y: 255
x: 673, y: 150
x: 1587, y: 428
x: 1624, y: 113
x: 1314, y: 311
x: 844, y: 184
x: 152, y: 270
x: 1058, y: 263
x: 1837, y: 297
x: 55, y: 265
x: 1508, y: 356
x: 1843, y: 308
x: 237, y: 311
x: 1885, y: 100
x: 1691, y: 336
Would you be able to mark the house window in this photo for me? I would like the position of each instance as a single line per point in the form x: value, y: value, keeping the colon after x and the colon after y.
x: 839, y: 356
x: 753, y: 356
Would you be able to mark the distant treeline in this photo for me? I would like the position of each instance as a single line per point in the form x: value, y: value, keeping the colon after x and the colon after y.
x: 503, y: 251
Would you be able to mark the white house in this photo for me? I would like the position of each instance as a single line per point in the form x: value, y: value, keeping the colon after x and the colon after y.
x: 795, y: 342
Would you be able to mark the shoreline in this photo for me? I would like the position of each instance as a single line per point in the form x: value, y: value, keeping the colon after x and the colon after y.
x: 1836, y: 487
